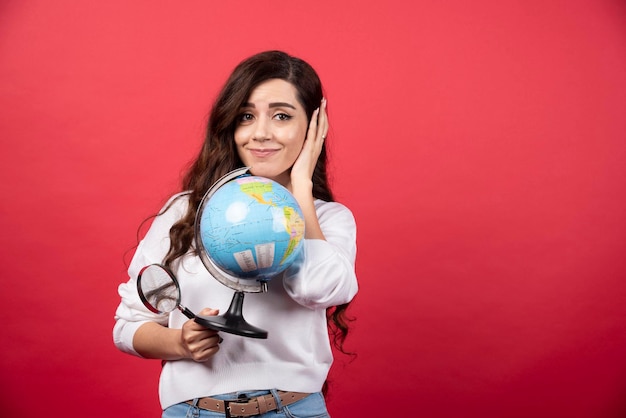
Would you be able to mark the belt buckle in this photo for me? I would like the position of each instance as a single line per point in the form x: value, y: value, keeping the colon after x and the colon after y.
x: 241, y: 400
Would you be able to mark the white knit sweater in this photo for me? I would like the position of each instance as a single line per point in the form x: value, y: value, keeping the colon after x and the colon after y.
x: 296, y: 356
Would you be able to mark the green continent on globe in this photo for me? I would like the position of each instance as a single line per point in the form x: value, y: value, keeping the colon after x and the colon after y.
x: 294, y: 225
x: 256, y: 189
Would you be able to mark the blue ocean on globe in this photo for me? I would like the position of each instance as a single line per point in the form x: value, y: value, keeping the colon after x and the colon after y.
x: 252, y: 228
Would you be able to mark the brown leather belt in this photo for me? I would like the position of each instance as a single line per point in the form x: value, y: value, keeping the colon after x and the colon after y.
x: 249, y: 407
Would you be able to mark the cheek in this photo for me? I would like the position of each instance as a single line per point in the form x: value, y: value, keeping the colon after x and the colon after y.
x: 294, y: 151
x: 300, y: 135
x: 238, y: 145
x: 296, y: 143
x: 239, y: 136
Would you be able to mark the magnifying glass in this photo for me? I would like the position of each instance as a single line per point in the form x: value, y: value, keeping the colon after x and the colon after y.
x: 159, y: 290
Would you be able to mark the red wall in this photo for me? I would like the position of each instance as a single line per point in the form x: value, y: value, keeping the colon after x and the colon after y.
x: 480, y: 145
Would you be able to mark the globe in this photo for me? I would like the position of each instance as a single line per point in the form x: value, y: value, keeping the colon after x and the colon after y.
x: 252, y: 228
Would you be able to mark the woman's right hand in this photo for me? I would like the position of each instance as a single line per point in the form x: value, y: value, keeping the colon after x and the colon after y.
x: 192, y: 341
x: 199, y: 342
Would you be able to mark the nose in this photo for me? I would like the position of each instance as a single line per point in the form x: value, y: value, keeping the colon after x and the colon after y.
x: 261, y: 131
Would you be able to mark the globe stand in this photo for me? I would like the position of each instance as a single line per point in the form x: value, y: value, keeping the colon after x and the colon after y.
x: 232, y: 321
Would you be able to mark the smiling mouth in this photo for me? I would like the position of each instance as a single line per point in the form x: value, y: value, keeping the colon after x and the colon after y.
x: 263, y: 152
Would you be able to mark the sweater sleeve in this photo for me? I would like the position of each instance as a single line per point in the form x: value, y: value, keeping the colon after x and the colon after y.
x: 325, y: 275
x: 131, y: 313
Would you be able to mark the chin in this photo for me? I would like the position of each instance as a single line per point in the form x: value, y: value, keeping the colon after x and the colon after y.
x: 257, y: 171
x: 281, y: 177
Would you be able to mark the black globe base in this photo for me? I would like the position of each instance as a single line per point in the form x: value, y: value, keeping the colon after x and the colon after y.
x: 232, y: 321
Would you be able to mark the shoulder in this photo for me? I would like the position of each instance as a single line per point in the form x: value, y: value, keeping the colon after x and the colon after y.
x: 333, y: 211
x: 177, y: 203
x: 174, y: 209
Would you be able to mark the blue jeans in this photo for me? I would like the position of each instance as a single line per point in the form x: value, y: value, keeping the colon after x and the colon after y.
x: 313, y: 406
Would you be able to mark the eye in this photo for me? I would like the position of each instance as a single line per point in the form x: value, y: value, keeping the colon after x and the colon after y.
x: 245, y: 117
x: 282, y: 116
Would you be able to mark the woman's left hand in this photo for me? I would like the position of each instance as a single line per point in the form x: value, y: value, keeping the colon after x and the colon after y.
x: 302, y: 170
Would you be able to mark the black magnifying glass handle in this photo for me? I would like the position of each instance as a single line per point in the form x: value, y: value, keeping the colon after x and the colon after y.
x: 186, y: 312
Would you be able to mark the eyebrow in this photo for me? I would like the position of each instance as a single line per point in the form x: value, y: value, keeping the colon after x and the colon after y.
x: 272, y: 105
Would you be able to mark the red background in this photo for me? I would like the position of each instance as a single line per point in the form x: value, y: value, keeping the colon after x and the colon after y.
x: 479, y: 144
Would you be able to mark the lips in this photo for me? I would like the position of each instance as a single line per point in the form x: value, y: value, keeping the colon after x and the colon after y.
x: 263, y: 153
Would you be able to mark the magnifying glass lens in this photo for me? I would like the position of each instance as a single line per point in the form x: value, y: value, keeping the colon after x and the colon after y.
x: 158, y: 289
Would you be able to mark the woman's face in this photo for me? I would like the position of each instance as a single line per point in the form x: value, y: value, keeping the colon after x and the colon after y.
x: 271, y: 129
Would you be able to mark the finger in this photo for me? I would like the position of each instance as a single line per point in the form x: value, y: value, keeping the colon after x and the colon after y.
x: 312, y: 132
x: 204, y: 353
x: 197, y: 342
x: 209, y: 339
x: 209, y: 311
x: 322, y: 122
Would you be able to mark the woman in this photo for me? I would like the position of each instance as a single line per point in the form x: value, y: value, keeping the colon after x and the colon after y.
x: 270, y: 116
